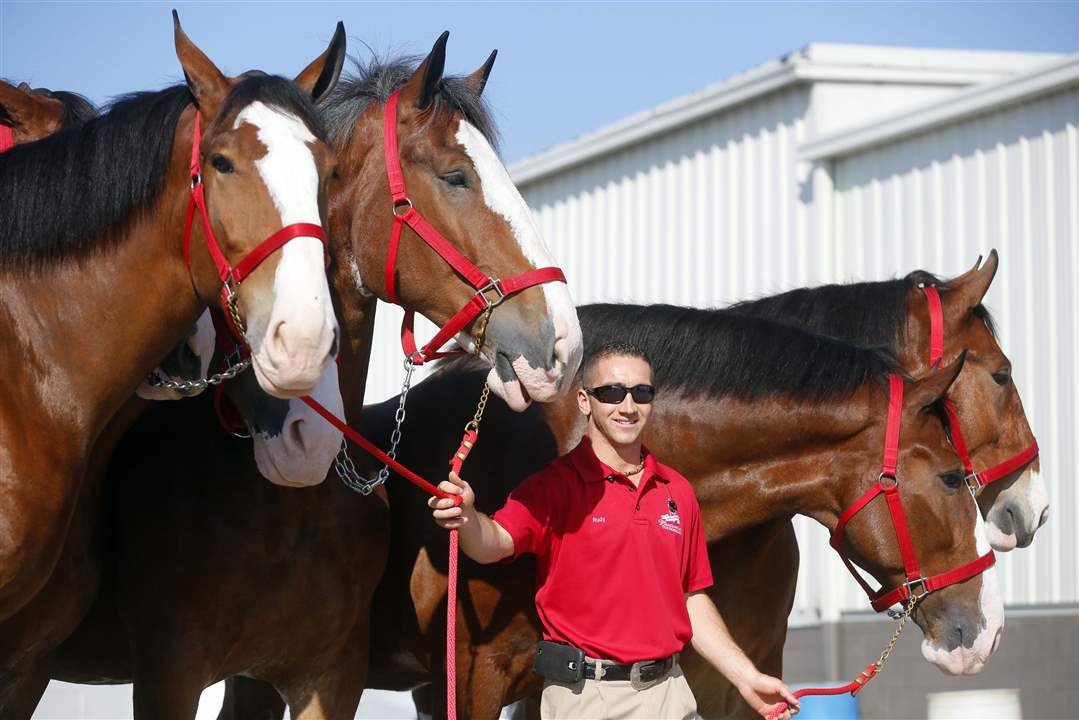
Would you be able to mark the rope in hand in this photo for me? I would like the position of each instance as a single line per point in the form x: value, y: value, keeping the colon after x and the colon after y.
x: 857, y: 684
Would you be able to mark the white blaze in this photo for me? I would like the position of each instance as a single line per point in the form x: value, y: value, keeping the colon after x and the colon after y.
x: 503, y: 198
x: 301, y: 304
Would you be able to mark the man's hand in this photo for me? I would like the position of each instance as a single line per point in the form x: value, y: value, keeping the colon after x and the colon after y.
x: 764, y: 693
x: 446, y: 514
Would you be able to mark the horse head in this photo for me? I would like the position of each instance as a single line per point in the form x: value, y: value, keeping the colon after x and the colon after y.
x: 263, y: 167
x: 453, y: 183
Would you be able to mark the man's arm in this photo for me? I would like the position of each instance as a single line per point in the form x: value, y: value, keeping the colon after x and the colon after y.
x: 714, y: 643
x: 482, y: 539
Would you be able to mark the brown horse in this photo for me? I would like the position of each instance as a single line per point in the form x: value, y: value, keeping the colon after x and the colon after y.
x: 35, y: 113
x: 799, y: 420
x: 762, y: 562
x: 224, y: 595
x: 97, y: 213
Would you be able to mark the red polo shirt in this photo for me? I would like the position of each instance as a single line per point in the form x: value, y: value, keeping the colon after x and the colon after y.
x: 614, y: 561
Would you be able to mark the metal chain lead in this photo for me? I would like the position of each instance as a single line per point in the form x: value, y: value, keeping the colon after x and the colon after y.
x: 155, y: 380
x: 903, y: 617
x: 474, y: 423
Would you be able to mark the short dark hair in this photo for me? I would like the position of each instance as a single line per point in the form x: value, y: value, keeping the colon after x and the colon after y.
x: 611, y: 349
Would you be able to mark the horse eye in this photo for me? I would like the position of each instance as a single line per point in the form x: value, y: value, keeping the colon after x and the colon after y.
x: 456, y: 179
x: 952, y: 480
x: 221, y: 164
x: 1003, y: 376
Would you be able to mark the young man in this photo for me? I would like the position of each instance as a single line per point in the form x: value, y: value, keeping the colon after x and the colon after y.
x: 621, y: 563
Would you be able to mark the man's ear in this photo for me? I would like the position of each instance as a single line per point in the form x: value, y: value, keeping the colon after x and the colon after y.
x: 582, y: 402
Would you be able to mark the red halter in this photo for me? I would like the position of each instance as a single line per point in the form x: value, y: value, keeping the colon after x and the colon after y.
x: 490, y: 292
x: 888, y: 485
x: 975, y: 480
x: 231, y: 276
x: 7, y: 138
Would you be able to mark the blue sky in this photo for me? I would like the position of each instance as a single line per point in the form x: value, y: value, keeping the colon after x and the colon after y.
x: 563, y: 68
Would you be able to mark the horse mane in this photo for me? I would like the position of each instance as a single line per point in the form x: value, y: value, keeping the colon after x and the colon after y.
x: 77, y: 108
x: 65, y: 195
x: 866, y: 313
x: 377, y: 79
x: 724, y: 353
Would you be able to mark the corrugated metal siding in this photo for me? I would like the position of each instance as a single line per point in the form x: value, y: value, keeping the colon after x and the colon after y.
x: 1007, y: 180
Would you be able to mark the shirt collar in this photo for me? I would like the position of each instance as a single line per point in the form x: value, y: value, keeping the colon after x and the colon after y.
x: 591, y: 469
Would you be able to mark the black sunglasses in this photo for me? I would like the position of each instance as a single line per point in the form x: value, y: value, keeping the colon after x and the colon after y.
x: 614, y: 394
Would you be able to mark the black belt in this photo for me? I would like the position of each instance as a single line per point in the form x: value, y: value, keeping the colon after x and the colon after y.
x: 645, y: 670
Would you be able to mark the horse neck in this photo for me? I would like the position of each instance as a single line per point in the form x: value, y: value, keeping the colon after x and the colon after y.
x: 754, y: 461
x: 87, y: 330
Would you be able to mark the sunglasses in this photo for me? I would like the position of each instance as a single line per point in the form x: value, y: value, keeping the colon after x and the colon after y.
x: 614, y: 394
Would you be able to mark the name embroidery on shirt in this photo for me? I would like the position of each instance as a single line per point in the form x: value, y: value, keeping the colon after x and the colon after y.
x: 599, y: 519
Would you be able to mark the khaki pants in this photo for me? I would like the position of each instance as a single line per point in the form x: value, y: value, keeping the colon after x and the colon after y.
x: 667, y: 699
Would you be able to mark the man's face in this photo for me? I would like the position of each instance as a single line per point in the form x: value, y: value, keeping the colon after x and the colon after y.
x: 623, y: 423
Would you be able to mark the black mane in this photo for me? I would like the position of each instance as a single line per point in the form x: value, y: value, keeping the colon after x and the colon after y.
x: 377, y: 79
x: 65, y: 194
x: 867, y: 313
x: 77, y: 108
x: 724, y: 353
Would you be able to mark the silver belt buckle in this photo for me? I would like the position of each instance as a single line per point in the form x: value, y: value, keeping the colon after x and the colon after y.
x: 635, y: 676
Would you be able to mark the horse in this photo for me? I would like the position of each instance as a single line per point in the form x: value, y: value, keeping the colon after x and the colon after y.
x: 97, y: 212
x: 30, y: 114
x: 893, y: 313
x: 193, y: 612
x: 802, y: 419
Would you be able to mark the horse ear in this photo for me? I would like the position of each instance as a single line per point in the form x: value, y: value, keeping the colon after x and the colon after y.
x: 478, y: 80
x: 320, y: 77
x: 208, y: 84
x: 420, y: 89
x: 925, y: 391
x: 32, y: 112
x: 969, y: 288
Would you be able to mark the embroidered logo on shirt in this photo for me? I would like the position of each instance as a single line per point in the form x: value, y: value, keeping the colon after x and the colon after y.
x: 599, y: 519
x: 671, y: 522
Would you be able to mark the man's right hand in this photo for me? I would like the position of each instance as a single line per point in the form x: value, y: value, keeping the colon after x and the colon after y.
x: 445, y: 513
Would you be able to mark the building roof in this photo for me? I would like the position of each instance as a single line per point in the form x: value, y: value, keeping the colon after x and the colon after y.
x: 970, y: 102
x: 815, y: 62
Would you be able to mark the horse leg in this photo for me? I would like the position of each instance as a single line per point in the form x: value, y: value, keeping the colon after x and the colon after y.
x: 335, y: 693
x: 250, y: 699
x: 167, y: 686
x: 20, y: 692
x: 423, y: 698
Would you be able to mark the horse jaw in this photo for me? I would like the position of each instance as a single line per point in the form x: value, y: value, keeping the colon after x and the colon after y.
x: 201, y: 342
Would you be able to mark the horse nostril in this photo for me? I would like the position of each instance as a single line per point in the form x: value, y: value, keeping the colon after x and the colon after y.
x: 334, y: 344
x: 1043, y: 517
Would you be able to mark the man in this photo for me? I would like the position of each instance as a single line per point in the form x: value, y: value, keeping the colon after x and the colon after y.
x: 621, y: 563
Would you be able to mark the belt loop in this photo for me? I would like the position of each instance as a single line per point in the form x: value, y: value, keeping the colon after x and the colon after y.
x: 600, y: 672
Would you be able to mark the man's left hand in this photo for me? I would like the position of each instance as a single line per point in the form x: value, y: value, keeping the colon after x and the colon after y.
x: 764, y: 693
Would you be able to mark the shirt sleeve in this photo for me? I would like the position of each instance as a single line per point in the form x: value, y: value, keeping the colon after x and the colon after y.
x: 697, y: 573
x: 527, y: 513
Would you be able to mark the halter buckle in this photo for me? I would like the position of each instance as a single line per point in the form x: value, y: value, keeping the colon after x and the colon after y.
x: 196, y: 180
x: 493, y: 284
x: 911, y: 584
x: 892, y: 478
x: 405, y: 203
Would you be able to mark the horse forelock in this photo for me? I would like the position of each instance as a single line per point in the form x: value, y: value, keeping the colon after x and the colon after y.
x: 375, y: 80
